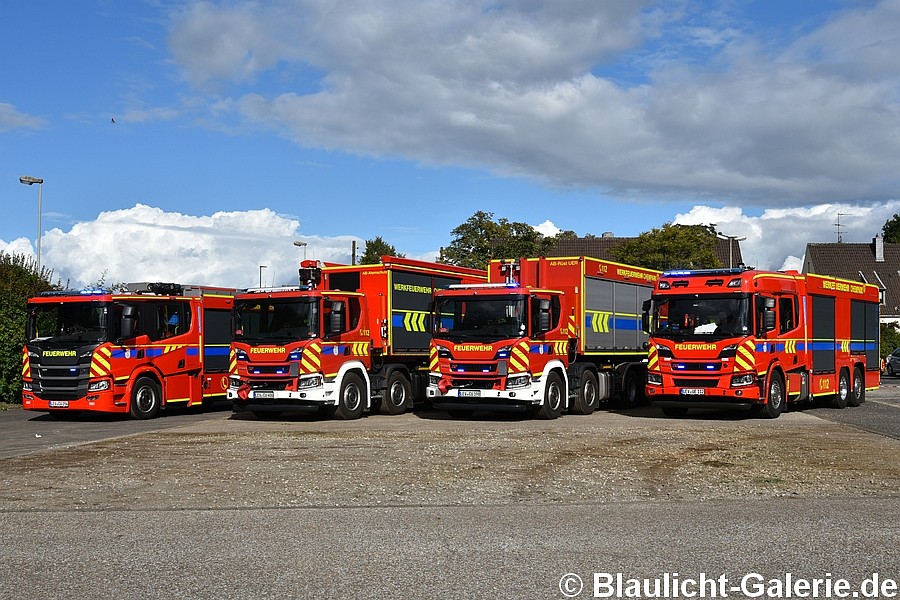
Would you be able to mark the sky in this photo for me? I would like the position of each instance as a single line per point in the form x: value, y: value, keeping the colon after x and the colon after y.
x: 196, y: 141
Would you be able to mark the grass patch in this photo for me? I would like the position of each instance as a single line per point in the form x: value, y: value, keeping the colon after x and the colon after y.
x: 9, y: 406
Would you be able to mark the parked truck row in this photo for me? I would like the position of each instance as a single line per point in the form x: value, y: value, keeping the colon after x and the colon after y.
x: 540, y: 336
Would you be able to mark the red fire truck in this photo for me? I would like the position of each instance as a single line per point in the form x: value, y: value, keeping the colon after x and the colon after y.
x: 756, y: 339
x: 542, y: 329
x: 135, y: 351
x: 346, y: 335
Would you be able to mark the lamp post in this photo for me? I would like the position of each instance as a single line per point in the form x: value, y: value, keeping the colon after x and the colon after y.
x: 28, y: 180
x: 261, y: 267
x: 302, y: 245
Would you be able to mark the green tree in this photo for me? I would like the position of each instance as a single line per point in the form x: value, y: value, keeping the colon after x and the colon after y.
x: 375, y: 249
x: 890, y: 338
x: 481, y: 238
x: 19, y: 280
x: 891, y: 230
x: 671, y: 247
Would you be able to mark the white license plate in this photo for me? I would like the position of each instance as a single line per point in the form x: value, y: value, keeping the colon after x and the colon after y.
x: 59, y: 404
x: 470, y: 393
x: 264, y: 395
x: 693, y: 392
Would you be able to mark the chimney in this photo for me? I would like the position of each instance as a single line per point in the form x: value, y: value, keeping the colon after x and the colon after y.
x: 879, y: 248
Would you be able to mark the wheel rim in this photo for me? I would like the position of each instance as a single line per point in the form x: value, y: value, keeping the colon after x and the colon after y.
x: 553, y: 396
x: 145, y: 399
x: 397, y: 394
x: 351, y: 397
x: 590, y: 393
x: 857, y: 387
x: 775, y: 397
x: 843, y: 387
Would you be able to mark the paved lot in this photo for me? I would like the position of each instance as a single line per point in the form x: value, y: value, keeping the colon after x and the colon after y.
x: 420, y: 506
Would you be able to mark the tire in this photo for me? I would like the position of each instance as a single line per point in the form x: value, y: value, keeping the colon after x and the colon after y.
x: 631, y: 393
x: 397, y: 396
x: 352, y: 399
x: 587, y: 400
x: 842, y: 396
x: 554, y: 393
x: 774, y: 398
x: 146, y: 398
x: 858, y: 391
x: 674, y: 411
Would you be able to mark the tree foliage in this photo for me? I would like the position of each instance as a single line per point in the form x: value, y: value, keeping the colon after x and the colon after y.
x: 671, y: 247
x: 891, y: 230
x: 19, y: 280
x: 375, y: 249
x: 481, y: 238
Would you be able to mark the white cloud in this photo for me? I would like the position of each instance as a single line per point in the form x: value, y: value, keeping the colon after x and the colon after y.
x: 11, y: 118
x: 547, y: 228
x: 144, y: 243
x: 694, y: 107
x: 18, y: 246
x: 778, y: 236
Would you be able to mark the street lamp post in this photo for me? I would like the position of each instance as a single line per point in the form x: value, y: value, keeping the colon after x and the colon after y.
x: 261, y: 267
x: 301, y: 245
x: 28, y: 180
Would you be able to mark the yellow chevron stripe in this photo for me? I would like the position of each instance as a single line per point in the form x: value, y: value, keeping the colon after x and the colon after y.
x: 26, y: 363
x: 433, y: 363
x: 653, y: 358
x: 232, y: 362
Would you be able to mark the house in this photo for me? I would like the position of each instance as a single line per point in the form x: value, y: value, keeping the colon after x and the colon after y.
x: 728, y: 250
x: 877, y: 263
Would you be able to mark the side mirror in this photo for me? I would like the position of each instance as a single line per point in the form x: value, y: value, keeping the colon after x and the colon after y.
x: 129, y: 320
x: 645, y: 321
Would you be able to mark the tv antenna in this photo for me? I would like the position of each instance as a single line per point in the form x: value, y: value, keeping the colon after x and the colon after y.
x: 838, y: 225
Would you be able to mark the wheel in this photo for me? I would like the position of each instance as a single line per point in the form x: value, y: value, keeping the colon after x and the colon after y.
x: 554, y: 393
x: 858, y: 392
x: 631, y: 394
x: 588, y: 397
x: 351, y: 401
x: 842, y: 396
x: 146, y: 398
x: 397, y: 396
x: 774, y: 398
x: 674, y: 411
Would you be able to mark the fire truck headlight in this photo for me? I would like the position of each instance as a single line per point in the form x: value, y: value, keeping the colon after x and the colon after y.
x: 664, y: 351
x: 517, y: 381
x: 234, y: 382
x: 26, y: 386
x: 743, y: 380
x: 99, y: 386
x: 729, y: 351
x: 654, y: 378
x: 240, y: 355
x: 434, y: 379
x: 310, y: 382
x: 32, y: 354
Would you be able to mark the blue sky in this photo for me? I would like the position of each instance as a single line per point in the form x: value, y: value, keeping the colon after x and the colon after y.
x: 241, y: 127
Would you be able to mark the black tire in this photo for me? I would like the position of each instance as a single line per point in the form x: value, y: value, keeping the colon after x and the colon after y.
x: 587, y: 399
x: 352, y: 399
x: 397, y: 396
x: 554, y: 393
x: 858, y: 391
x: 774, y: 398
x: 674, y: 411
x: 146, y: 398
x: 842, y: 395
x: 631, y: 392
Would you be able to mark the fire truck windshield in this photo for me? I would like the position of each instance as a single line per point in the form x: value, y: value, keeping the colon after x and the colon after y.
x: 701, y: 316
x: 481, y: 317
x: 276, y: 319
x: 68, y: 322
